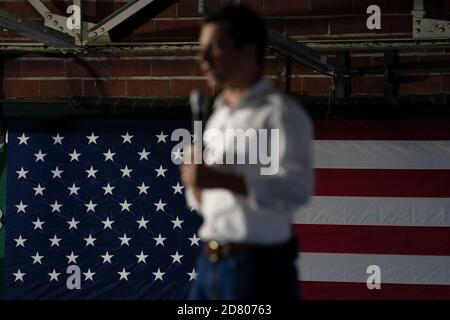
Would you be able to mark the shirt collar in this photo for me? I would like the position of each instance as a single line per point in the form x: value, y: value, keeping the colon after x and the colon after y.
x: 259, y: 88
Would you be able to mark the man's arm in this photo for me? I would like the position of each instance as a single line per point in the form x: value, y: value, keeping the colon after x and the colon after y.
x: 198, y: 176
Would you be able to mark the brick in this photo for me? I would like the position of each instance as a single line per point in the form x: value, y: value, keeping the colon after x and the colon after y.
x: 11, y: 68
x: 303, y: 27
x: 58, y: 88
x: 316, y: 86
x: 42, y: 68
x: 173, y: 67
x: 296, y: 85
x: 446, y: 84
x: 386, y: 6
x: 21, y: 88
x: 255, y: 5
x: 102, y: 88
x: 85, y: 68
x: 330, y: 7
x: 434, y: 63
x: 362, y: 62
x: 148, y: 88
x: 389, y: 24
x: 301, y: 69
x: 420, y: 85
x: 285, y: 8
x: 129, y: 68
x: 177, y: 29
x: 367, y: 85
x: 341, y: 25
x: 395, y: 24
x: 183, y: 88
x: 143, y: 32
x: 188, y: 9
x: 22, y: 9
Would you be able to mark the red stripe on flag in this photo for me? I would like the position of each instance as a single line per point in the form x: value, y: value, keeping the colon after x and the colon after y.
x: 315, y: 290
x: 433, y: 241
x: 382, y: 130
x: 382, y: 183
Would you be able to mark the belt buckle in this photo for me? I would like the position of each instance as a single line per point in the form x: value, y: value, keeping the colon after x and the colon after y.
x: 213, y: 248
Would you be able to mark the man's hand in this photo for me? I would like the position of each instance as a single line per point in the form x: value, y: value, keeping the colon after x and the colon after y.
x: 199, y: 176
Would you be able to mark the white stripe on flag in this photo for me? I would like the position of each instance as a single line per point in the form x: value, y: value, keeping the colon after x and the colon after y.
x: 377, y: 211
x: 383, y: 154
x: 400, y: 269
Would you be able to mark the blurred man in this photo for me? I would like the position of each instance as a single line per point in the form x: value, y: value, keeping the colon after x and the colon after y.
x: 249, y: 250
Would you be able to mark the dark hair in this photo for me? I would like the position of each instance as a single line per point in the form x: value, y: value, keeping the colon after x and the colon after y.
x: 245, y: 27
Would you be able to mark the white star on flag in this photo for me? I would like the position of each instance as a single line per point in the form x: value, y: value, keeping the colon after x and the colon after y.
x: 56, y: 206
x: 55, y: 241
x: 192, y: 275
x: 127, y: 138
x: 143, y: 188
x: 108, y: 189
x: 176, y: 257
x: 22, y: 173
x: 107, y: 257
x: 74, y: 156
x: 19, y: 275
x: 158, y: 275
x: 144, y: 154
x: 178, y: 188
x: 142, y: 223
x: 72, y: 258
x: 91, y: 172
x: 177, y: 154
x: 194, y: 240
x: 142, y: 257
x: 90, y: 241
x: 56, y: 173
x: 39, y: 190
x: 90, y: 206
x: 88, y: 275
x: 160, y: 205
x: 54, y: 275
x: 57, y: 139
x: 37, y: 258
x: 126, y: 171
x: 40, y: 156
x: 177, y: 223
x: 161, y: 137
x: 23, y: 139
x: 20, y: 241
x: 109, y: 155
x: 161, y: 171
x: 107, y: 223
x: 124, y: 240
x: 123, y: 274
x: 73, y: 223
x: 159, y: 240
x: 92, y: 138
x: 21, y: 207
x: 38, y: 224
x: 125, y: 205
x: 73, y: 189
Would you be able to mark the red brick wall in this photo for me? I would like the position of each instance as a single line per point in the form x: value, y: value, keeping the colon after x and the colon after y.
x: 175, y: 73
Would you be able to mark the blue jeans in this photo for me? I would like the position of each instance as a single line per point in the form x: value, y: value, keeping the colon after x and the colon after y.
x: 247, y: 276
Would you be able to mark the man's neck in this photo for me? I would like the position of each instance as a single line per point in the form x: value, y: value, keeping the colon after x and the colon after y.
x: 232, y: 93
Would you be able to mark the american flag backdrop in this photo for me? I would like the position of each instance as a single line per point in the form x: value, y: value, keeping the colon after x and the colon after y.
x: 102, y: 195
x: 382, y: 198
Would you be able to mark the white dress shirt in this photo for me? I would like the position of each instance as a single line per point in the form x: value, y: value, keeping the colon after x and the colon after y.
x: 265, y: 215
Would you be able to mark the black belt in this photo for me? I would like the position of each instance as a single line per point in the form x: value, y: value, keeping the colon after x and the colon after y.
x: 215, y: 251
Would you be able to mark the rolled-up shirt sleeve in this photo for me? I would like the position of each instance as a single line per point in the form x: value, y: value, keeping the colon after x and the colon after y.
x: 289, y: 187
